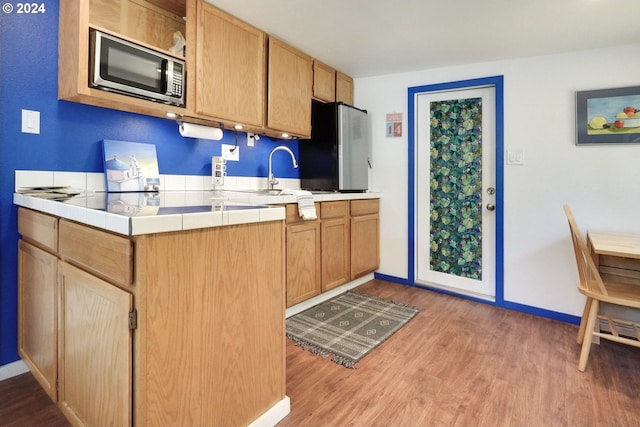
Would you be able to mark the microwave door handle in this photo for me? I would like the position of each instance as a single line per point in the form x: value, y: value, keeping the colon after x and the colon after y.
x: 167, y: 76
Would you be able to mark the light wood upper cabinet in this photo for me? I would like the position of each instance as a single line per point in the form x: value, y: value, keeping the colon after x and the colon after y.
x: 234, y: 75
x: 289, y: 90
x: 151, y: 26
x: 324, y: 82
x: 344, y: 88
x: 230, y: 68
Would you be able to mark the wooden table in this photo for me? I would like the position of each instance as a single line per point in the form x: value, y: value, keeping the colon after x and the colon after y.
x: 617, y: 255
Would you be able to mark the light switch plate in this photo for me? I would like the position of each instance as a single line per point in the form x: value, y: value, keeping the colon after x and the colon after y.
x: 515, y: 157
x: 230, y: 155
x: 30, y: 121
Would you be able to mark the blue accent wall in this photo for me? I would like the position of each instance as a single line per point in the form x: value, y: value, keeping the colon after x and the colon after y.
x: 70, y: 136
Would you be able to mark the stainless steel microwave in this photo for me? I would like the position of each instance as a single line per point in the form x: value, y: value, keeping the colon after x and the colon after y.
x: 120, y: 66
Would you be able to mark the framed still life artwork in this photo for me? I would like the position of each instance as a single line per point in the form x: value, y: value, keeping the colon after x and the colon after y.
x: 130, y: 166
x: 608, y: 116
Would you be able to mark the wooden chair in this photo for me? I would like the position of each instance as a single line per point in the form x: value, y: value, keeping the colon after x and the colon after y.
x: 596, y: 291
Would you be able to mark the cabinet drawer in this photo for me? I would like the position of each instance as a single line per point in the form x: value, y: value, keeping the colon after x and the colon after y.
x: 336, y: 209
x: 365, y: 207
x: 39, y: 228
x: 102, y: 253
x: 292, y: 214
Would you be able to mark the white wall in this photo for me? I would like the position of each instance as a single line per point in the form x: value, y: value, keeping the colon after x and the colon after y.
x: 601, y: 183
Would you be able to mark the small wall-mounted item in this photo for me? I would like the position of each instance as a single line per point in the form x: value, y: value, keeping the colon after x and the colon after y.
x: 608, y: 116
x: 190, y: 130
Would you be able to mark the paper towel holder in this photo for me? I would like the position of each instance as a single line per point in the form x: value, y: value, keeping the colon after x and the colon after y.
x: 192, y: 130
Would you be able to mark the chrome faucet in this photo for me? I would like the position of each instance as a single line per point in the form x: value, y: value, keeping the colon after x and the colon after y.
x: 272, y: 179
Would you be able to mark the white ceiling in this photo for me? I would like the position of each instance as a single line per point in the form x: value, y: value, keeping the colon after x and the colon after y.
x: 376, y: 37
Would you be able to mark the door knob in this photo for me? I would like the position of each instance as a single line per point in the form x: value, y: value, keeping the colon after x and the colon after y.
x: 491, y: 207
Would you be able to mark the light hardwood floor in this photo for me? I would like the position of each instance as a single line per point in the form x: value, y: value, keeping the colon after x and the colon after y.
x: 463, y: 363
x: 457, y: 363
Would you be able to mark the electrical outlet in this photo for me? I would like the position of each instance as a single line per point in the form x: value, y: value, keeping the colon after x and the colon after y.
x: 228, y: 154
x: 250, y: 139
x: 515, y: 157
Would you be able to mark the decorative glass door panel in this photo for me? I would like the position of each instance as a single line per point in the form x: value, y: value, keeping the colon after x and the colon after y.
x: 455, y: 152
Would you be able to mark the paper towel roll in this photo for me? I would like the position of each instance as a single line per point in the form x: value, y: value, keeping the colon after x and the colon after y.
x: 198, y: 131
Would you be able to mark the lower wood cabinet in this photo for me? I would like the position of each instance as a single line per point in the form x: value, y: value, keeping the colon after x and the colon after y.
x: 335, y: 244
x: 365, y: 237
x: 37, y: 314
x: 96, y: 350
x: 196, y: 338
x: 303, y: 255
x: 340, y: 246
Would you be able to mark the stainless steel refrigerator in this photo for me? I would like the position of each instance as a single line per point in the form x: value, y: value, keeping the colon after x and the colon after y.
x: 336, y: 158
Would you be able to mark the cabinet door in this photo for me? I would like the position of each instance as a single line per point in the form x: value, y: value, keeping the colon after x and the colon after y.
x: 324, y: 82
x: 230, y: 67
x: 344, y: 88
x: 365, y: 252
x: 335, y: 243
x: 290, y: 80
x: 335, y: 252
x: 95, y: 350
x: 303, y: 262
x: 37, y: 325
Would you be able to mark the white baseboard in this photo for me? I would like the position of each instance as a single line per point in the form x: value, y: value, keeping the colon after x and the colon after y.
x: 274, y: 415
x: 13, y: 369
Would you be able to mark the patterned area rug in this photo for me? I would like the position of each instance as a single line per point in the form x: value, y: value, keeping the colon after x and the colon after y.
x: 348, y: 326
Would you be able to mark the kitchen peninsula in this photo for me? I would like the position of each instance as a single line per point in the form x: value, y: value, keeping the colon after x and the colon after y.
x: 157, y: 309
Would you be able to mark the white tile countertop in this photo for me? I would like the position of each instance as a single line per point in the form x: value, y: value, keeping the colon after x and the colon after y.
x: 145, y: 213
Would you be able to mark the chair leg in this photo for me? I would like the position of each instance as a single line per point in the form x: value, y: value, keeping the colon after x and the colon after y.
x: 583, y: 320
x: 588, y: 336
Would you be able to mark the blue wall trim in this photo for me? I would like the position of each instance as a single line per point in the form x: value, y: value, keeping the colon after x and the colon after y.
x: 393, y: 279
x: 549, y: 314
x: 498, y: 83
x: 527, y: 309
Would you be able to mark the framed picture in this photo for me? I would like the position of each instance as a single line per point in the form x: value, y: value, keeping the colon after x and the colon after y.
x: 130, y: 166
x: 608, y: 116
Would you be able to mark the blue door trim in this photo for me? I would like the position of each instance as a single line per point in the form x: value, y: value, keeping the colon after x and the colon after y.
x: 498, y: 83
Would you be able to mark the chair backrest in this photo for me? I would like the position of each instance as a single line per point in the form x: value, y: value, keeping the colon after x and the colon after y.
x: 590, y: 280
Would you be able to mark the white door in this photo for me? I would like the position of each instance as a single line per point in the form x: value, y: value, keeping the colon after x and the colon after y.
x: 455, y: 191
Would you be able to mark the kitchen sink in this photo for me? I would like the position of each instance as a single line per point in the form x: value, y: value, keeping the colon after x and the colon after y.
x: 262, y: 191
x: 278, y: 191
